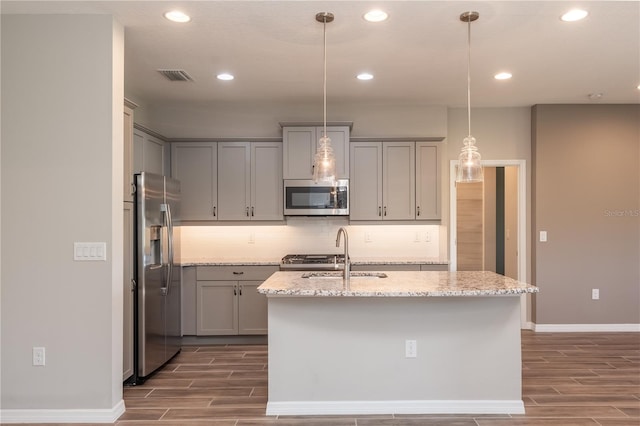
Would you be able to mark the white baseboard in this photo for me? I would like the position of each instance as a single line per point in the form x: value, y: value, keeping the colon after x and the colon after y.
x: 569, y: 328
x: 298, y: 408
x: 527, y: 326
x: 62, y: 416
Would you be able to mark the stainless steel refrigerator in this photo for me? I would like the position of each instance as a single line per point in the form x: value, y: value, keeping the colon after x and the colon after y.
x: 157, y: 331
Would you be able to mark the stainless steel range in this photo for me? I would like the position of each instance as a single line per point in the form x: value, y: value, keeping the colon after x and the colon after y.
x: 312, y: 262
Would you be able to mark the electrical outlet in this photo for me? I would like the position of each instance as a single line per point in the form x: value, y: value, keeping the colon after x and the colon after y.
x: 252, y: 238
x: 38, y: 356
x: 595, y: 294
x: 427, y: 237
x: 416, y: 238
x: 411, y: 349
x: 367, y: 237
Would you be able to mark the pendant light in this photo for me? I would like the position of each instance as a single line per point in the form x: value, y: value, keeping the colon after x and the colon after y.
x: 324, y: 161
x: 469, y: 167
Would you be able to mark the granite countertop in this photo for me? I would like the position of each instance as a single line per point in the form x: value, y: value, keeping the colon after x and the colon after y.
x: 397, y: 284
x: 276, y: 262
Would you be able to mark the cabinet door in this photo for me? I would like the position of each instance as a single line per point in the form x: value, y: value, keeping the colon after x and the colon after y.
x: 153, y: 155
x: 299, y: 145
x: 398, y: 181
x: 266, y: 181
x: 127, y: 292
x: 194, y: 165
x: 252, y: 308
x: 127, y: 183
x: 339, y: 136
x: 365, y: 186
x: 234, y: 180
x: 428, y: 181
x: 217, y: 309
x: 189, y: 300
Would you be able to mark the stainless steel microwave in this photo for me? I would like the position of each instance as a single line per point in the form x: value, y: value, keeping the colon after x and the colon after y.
x: 304, y: 197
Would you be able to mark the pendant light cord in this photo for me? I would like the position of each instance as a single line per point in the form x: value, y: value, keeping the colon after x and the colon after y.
x: 324, y: 88
x: 469, y: 73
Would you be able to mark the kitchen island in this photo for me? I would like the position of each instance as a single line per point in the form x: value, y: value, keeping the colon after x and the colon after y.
x: 410, y: 343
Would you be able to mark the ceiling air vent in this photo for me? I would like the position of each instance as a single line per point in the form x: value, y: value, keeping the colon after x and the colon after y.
x: 176, y: 75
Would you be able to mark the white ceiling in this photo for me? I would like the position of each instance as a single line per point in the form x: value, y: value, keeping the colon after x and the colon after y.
x: 418, y: 56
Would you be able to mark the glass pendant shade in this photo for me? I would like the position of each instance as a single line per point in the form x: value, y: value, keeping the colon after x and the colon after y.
x: 324, y: 162
x: 469, y: 167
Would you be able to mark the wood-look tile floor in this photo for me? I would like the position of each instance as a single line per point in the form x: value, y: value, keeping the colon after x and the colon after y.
x: 569, y: 379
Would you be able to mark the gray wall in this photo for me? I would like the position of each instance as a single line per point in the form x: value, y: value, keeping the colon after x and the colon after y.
x: 61, y: 167
x: 586, y: 196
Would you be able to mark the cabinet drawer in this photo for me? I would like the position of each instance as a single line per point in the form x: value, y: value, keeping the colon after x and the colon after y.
x: 239, y: 273
x: 436, y: 267
x: 385, y: 267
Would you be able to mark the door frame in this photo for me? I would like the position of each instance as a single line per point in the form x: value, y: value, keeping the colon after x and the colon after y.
x: 522, y: 222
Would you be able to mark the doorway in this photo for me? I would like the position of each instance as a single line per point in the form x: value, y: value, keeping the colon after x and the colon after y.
x: 488, y: 222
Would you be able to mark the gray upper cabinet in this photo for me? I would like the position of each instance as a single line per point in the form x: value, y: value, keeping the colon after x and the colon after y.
x: 428, y: 204
x: 250, y: 181
x: 194, y: 164
x: 148, y: 153
x: 365, y: 186
x: 382, y: 185
x: 300, y: 145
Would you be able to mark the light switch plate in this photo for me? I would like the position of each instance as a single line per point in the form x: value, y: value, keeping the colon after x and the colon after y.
x: 543, y: 236
x: 89, y: 251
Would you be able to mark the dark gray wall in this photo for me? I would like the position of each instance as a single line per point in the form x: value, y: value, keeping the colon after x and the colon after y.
x: 586, y: 195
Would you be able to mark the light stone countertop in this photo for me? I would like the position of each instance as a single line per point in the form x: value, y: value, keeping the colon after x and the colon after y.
x: 397, y: 284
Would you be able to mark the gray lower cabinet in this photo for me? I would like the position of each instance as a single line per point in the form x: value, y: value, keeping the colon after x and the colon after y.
x: 436, y: 267
x: 386, y: 267
x: 398, y: 267
x: 227, y: 301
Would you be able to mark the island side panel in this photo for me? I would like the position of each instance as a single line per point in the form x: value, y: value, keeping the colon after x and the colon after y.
x: 350, y: 349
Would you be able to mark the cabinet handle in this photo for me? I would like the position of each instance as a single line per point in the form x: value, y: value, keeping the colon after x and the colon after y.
x: 214, y: 211
x: 379, y: 211
x: 418, y: 213
x: 251, y: 211
x: 235, y: 290
x: 247, y: 211
x: 240, y: 290
x: 385, y: 210
x: 238, y: 272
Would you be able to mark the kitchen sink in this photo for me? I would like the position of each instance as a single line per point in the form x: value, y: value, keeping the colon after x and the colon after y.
x: 339, y: 274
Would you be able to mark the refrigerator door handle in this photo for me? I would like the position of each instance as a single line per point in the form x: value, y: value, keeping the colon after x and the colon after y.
x: 170, y: 242
x: 165, y: 208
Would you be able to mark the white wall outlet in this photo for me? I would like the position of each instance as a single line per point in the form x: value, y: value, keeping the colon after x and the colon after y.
x: 427, y: 237
x: 38, y: 356
x: 252, y: 238
x: 367, y: 237
x: 595, y: 294
x: 411, y: 349
x: 416, y: 238
x: 543, y: 236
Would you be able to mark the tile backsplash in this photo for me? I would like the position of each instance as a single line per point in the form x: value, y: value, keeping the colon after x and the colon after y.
x: 308, y: 235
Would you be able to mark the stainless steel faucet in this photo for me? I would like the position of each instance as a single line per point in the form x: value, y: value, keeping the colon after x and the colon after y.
x: 347, y: 262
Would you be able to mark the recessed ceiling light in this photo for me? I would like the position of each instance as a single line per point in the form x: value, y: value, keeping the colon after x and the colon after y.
x: 225, y: 76
x: 503, y: 76
x: 177, y: 16
x: 638, y: 87
x: 595, y: 96
x: 574, y: 15
x: 376, y: 16
x: 365, y: 76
